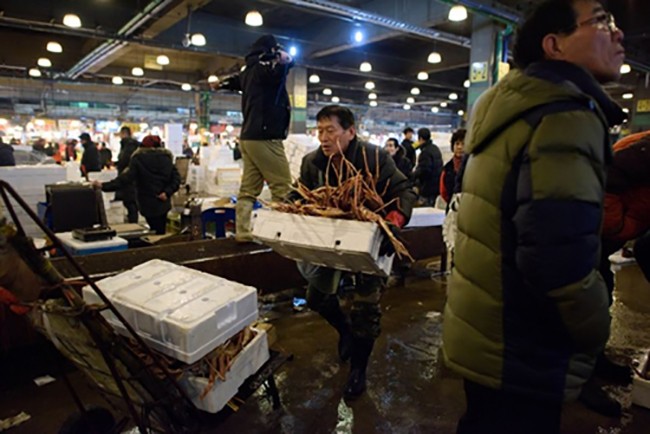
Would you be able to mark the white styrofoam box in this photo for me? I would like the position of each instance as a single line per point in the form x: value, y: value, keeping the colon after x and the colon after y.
x: 426, y: 216
x: 180, y: 312
x: 73, y: 171
x: 247, y: 362
x: 618, y: 261
x: 641, y: 386
x: 79, y: 247
x: 229, y: 175
x: 335, y: 243
x: 103, y: 176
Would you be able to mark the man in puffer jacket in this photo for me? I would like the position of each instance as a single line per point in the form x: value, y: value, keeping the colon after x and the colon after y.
x: 527, y: 311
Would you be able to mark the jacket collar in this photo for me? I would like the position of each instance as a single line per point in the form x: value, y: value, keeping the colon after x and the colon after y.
x: 557, y: 71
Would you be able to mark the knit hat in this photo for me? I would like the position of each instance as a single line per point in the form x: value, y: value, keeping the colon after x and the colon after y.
x: 265, y: 43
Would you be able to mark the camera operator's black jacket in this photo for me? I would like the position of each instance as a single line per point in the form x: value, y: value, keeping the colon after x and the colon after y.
x: 265, y: 101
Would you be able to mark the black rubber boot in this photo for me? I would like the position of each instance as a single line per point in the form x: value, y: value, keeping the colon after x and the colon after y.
x: 356, y: 384
x: 331, y: 311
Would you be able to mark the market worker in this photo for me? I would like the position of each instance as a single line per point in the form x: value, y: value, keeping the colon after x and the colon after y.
x: 90, y: 161
x: 396, y: 151
x: 527, y: 312
x: 357, y: 333
x: 128, y: 145
x: 451, y: 169
x: 426, y: 175
x: 156, y: 179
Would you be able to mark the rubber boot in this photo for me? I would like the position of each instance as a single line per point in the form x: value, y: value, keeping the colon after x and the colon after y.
x: 356, y: 384
x: 332, y: 313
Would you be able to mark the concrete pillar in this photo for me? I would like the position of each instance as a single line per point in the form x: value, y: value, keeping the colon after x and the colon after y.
x: 297, y: 88
x: 482, y: 57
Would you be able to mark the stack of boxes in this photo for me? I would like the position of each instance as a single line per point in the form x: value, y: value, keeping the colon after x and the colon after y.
x: 186, y: 314
x: 296, y: 146
x: 29, y: 182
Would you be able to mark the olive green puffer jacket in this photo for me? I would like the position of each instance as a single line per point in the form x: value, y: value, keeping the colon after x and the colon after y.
x: 527, y: 310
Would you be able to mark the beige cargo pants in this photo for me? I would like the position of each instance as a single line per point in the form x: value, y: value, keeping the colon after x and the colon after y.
x: 263, y: 160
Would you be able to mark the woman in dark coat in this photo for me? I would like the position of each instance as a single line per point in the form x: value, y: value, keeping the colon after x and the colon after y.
x: 450, y: 170
x: 396, y: 151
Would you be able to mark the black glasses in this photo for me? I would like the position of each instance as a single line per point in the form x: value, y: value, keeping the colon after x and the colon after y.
x: 602, y: 21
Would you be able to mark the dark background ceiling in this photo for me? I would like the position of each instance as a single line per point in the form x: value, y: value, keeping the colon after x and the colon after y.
x: 321, y: 35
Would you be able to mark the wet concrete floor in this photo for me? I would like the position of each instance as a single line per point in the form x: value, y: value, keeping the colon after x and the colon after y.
x: 409, y: 389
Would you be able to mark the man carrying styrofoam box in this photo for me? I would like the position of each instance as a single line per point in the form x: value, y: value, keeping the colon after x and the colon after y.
x: 357, y: 334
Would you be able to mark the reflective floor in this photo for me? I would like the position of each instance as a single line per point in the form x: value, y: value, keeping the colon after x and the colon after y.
x: 409, y: 390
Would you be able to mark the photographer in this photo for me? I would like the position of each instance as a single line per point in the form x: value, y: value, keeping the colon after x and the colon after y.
x: 267, y: 112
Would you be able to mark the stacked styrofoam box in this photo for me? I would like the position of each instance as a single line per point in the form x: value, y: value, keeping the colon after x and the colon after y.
x: 640, y: 385
x: 29, y: 182
x: 335, y: 243
x: 426, y: 216
x: 296, y: 146
x: 180, y: 312
x: 247, y: 362
x: 73, y: 171
x: 196, y: 179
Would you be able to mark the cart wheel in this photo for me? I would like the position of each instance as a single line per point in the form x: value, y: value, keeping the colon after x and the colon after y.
x: 96, y: 420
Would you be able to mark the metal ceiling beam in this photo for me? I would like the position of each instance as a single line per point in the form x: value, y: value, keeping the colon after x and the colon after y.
x: 340, y: 10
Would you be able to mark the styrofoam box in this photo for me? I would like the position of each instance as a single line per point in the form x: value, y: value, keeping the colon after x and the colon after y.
x: 180, y: 312
x: 78, y: 247
x: 335, y: 243
x: 641, y: 386
x: 426, y: 216
x: 229, y: 175
x: 247, y: 362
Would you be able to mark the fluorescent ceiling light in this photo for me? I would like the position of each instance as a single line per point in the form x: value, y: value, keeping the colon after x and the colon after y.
x: 435, y: 109
x: 628, y: 95
x: 35, y: 72
x: 457, y: 13
x: 466, y: 84
x: 72, y: 20
x: 415, y: 91
x: 406, y: 107
x: 254, y: 19
x: 365, y: 67
x: 358, y: 36
x: 423, y: 75
x: 137, y: 71
x: 213, y: 79
x: 327, y: 91
x: 54, y: 47
x: 434, y: 57
x: 44, y: 62
x: 336, y: 99
x: 370, y: 85
x: 410, y: 100
x: 293, y: 51
x: 625, y: 68
x: 198, y: 40
x: 314, y: 78
x: 162, y: 60
x: 453, y: 96
x: 373, y: 103
x: 461, y: 112
x: 626, y: 110
x: 372, y: 95
x: 443, y: 104
x: 186, y: 87
x: 118, y: 80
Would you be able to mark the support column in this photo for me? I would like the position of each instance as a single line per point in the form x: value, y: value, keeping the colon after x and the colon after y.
x: 483, y: 57
x: 297, y: 88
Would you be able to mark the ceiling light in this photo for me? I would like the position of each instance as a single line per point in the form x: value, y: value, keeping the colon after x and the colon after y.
x: 457, y: 13
x: 628, y: 95
x: 137, y: 71
x: 373, y: 103
x: 406, y: 107
x: 293, y: 51
x: 461, y: 112
x: 186, y: 87
x: 434, y: 57
x: 72, y: 20
x: 213, y: 79
x: 336, y: 99
x: 435, y: 109
x: 443, y: 104
x: 54, y: 47
x: 254, y: 19
x: 625, y: 68
x: 415, y: 91
x: 410, y: 100
x: 314, y: 78
x: 327, y: 91
x: 35, y: 72
x: 370, y: 85
x: 453, y: 96
x: 372, y: 95
x: 626, y: 110
x: 44, y: 62
x: 358, y: 36
x: 198, y: 40
x: 423, y: 75
x: 117, y: 80
x: 162, y: 60
x: 365, y: 67
x: 466, y: 84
